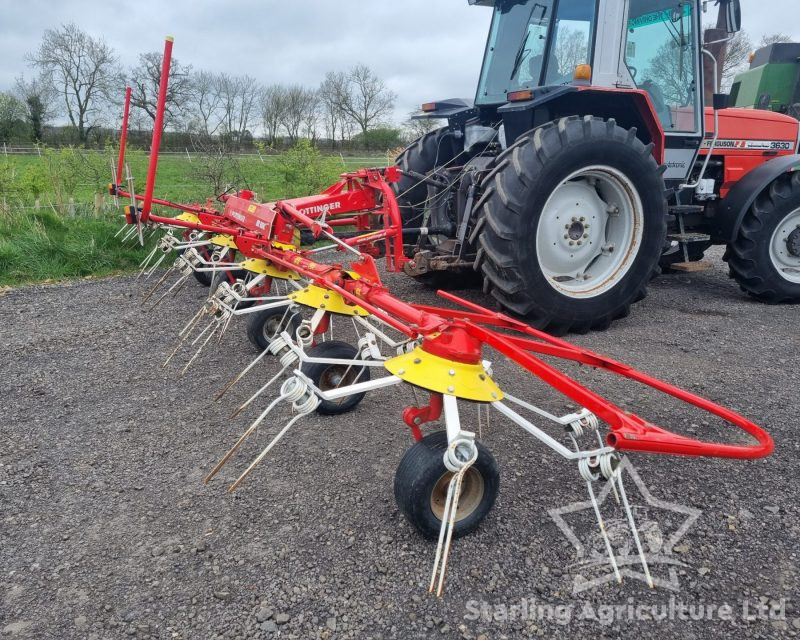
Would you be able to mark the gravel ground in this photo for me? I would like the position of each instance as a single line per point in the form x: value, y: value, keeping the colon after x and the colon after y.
x: 108, y: 531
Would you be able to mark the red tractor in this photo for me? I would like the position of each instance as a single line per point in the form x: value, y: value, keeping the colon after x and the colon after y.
x: 589, y: 161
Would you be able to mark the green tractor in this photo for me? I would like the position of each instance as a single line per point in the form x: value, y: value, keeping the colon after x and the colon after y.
x: 773, y: 81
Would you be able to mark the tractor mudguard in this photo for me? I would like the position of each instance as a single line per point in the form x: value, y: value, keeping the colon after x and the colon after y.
x: 444, y: 109
x: 744, y: 193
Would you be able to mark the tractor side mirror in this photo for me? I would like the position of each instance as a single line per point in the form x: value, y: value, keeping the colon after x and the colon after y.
x: 733, y: 15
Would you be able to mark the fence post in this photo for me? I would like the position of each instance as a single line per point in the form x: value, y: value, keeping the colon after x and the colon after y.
x: 187, y: 154
x: 5, y: 149
x: 99, y: 202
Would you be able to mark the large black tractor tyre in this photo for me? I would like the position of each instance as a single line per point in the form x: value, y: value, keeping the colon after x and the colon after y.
x: 425, y: 154
x: 537, y: 252
x: 328, y: 377
x: 765, y: 257
x: 420, y: 487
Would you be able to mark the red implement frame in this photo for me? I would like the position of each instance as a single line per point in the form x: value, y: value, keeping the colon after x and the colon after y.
x: 459, y: 335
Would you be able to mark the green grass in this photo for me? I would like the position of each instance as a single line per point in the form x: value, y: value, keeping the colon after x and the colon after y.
x: 67, y: 238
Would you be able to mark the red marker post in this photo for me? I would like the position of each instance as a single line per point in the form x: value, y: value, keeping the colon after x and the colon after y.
x: 123, y: 139
x: 157, y: 127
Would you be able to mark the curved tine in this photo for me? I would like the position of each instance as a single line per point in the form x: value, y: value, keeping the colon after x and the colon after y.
x: 144, y: 263
x: 264, y: 453
x: 259, y: 392
x: 202, y: 346
x: 185, y: 333
x: 241, y: 375
x: 178, y: 283
x: 152, y: 269
x: 442, y: 533
x: 150, y: 293
x: 241, y: 440
x: 450, y: 526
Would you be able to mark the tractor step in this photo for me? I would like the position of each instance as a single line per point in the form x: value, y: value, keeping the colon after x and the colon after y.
x: 689, y: 237
x: 684, y: 209
x: 691, y: 267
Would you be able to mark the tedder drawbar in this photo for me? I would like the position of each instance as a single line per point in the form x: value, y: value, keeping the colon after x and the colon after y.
x: 254, y: 256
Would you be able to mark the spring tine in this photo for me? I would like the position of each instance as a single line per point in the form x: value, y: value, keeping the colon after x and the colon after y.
x: 241, y: 440
x: 149, y: 294
x: 241, y: 375
x: 442, y: 534
x: 121, y: 229
x: 459, y: 477
x: 202, y: 346
x: 259, y: 392
x: 152, y: 269
x: 203, y: 332
x: 225, y: 327
x: 264, y: 453
x: 634, y: 530
x: 603, y: 532
x: 180, y: 281
x: 185, y: 335
x: 193, y: 321
x: 143, y: 264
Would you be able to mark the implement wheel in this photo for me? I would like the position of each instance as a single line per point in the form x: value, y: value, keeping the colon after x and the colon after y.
x: 421, y: 481
x: 327, y: 377
x: 264, y: 326
x: 575, y: 222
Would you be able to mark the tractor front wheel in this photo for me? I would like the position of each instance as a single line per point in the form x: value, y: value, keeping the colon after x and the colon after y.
x: 575, y: 222
x: 421, y: 481
x: 765, y: 257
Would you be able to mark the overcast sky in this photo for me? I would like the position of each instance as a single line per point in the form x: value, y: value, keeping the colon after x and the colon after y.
x: 423, y: 49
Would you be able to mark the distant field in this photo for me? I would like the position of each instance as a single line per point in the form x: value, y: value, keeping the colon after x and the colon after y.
x: 56, y: 220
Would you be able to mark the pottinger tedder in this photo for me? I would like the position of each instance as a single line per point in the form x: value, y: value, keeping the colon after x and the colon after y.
x: 447, y: 481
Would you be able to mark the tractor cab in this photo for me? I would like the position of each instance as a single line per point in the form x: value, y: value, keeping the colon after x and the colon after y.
x: 541, y: 53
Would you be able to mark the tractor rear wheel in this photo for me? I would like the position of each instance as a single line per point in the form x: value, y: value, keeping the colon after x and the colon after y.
x: 575, y: 222
x: 421, y: 481
x: 765, y: 257
x: 425, y: 154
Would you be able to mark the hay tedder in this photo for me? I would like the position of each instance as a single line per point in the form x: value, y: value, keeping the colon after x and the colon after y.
x: 294, y: 294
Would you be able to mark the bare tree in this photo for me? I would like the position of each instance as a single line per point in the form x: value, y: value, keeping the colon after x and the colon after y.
x: 331, y: 92
x: 273, y: 107
x: 81, y: 67
x: 300, y: 103
x: 774, y: 38
x: 38, y: 96
x: 735, y: 61
x: 365, y: 98
x: 145, y: 80
x: 238, y: 96
x: 204, y: 102
x: 12, y: 116
x: 418, y: 127
x: 572, y: 49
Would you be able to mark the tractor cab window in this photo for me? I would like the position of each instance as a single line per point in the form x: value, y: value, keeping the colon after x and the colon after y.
x: 516, y: 49
x: 535, y: 43
x: 662, y: 59
x: 571, y: 42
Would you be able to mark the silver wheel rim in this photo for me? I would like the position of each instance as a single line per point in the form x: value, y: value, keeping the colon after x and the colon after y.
x: 785, y: 262
x: 589, y: 232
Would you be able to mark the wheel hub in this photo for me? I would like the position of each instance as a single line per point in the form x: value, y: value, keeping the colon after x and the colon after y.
x: 472, y: 489
x: 793, y: 243
x: 589, y: 231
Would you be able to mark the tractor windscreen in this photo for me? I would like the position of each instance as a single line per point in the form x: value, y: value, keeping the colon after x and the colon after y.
x: 661, y: 56
x: 533, y: 44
